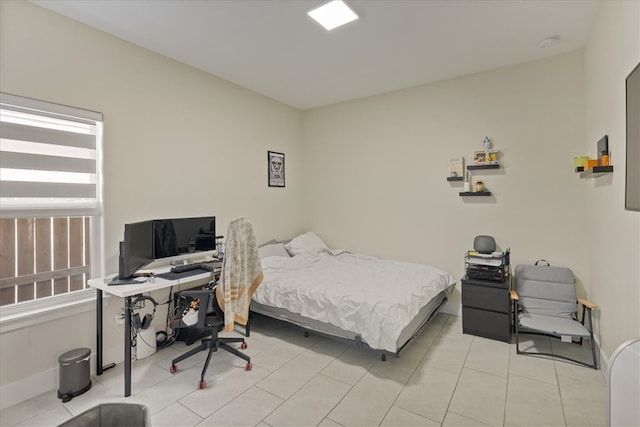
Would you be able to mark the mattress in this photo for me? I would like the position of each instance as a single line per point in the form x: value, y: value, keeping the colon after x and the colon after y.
x: 352, y: 295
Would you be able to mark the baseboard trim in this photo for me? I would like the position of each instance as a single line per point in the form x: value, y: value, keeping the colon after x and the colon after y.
x: 603, y: 362
x: 27, y: 388
x: 452, y: 308
x: 45, y: 381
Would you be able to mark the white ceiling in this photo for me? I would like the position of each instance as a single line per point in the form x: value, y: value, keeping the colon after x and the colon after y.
x: 274, y: 48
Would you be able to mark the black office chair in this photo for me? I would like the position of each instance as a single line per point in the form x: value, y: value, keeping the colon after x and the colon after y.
x: 200, y: 309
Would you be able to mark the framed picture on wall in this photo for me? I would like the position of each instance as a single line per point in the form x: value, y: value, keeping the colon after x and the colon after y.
x: 275, y: 168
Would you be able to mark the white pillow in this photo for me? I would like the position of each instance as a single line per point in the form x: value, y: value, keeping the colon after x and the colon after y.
x: 274, y: 249
x: 307, y: 242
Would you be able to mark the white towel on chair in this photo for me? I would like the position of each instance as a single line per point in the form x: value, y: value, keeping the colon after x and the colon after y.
x: 241, y: 273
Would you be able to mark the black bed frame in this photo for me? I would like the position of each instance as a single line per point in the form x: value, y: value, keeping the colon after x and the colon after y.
x: 357, y: 341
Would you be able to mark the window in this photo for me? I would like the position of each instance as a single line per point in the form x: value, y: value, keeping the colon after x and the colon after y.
x: 42, y: 257
x: 50, y: 201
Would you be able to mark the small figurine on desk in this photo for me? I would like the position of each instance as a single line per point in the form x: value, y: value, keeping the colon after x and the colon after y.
x: 486, y: 144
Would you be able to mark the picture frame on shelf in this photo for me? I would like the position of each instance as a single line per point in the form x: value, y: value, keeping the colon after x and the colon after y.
x: 485, y: 157
x: 456, y: 167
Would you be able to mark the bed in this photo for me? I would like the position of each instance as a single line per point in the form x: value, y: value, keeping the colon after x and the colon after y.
x: 371, y: 302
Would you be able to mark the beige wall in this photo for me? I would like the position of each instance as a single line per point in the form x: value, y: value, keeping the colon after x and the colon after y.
x: 613, y: 49
x: 376, y: 168
x: 178, y: 142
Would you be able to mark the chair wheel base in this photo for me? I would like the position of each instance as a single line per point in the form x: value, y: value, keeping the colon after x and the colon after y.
x: 173, y: 369
x: 248, y: 366
x: 243, y: 346
x: 202, y: 384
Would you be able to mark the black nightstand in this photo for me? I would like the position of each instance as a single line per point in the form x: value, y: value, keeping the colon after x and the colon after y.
x: 486, y: 309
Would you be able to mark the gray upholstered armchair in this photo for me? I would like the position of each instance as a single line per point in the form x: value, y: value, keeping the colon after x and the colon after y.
x: 545, y: 302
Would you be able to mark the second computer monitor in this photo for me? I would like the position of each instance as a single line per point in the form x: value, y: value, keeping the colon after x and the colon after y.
x: 136, y: 250
x: 182, y: 237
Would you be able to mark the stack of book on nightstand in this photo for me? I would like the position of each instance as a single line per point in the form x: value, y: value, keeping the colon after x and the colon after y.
x: 493, y: 266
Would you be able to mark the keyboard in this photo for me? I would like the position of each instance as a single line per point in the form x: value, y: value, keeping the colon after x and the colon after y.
x: 186, y: 267
x: 170, y: 275
x: 117, y: 282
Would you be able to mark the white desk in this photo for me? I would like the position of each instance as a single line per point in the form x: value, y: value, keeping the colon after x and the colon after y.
x: 127, y: 291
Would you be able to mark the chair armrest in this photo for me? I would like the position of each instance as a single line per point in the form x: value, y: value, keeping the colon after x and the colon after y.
x: 588, y: 304
x: 514, y: 295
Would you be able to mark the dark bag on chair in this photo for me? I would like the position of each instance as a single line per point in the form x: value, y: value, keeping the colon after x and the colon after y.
x: 182, y: 333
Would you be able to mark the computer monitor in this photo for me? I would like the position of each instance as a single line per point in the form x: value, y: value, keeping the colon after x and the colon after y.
x: 136, y: 250
x: 181, y: 238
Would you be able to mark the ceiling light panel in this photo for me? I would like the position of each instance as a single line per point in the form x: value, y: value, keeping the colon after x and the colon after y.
x: 333, y: 14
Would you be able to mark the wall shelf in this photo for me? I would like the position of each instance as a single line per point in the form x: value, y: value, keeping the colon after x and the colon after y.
x: 488, y: 166
x: 483, y: 159
x: 475, y: 193
x: 595, y: 171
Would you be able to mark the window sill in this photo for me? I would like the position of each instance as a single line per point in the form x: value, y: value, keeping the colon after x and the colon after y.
x: 45, y: 310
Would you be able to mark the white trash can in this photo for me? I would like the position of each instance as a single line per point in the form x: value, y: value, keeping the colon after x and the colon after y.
x: 146, y: 342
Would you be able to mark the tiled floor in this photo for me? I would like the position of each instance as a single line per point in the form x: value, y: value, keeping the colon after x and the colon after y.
x: 444, y: 378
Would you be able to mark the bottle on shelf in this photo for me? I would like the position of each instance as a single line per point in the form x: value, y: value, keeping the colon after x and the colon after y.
x: 467, y: 182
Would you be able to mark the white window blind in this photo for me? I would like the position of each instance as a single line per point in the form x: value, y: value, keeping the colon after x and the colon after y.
x: 50, y: 205
x: 49, y: 159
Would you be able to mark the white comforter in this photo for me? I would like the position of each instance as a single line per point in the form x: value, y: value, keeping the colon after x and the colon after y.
x: 373, y: 297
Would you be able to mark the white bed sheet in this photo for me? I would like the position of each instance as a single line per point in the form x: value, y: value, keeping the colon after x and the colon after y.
x: 373, y: 297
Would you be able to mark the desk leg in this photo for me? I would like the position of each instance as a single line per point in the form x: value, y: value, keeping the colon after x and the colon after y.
x: 100, y: 368
x: 127, y: 346
x: 99, y: 331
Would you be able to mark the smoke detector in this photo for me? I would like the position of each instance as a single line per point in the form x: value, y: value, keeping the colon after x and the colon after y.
x: 548, y: 41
